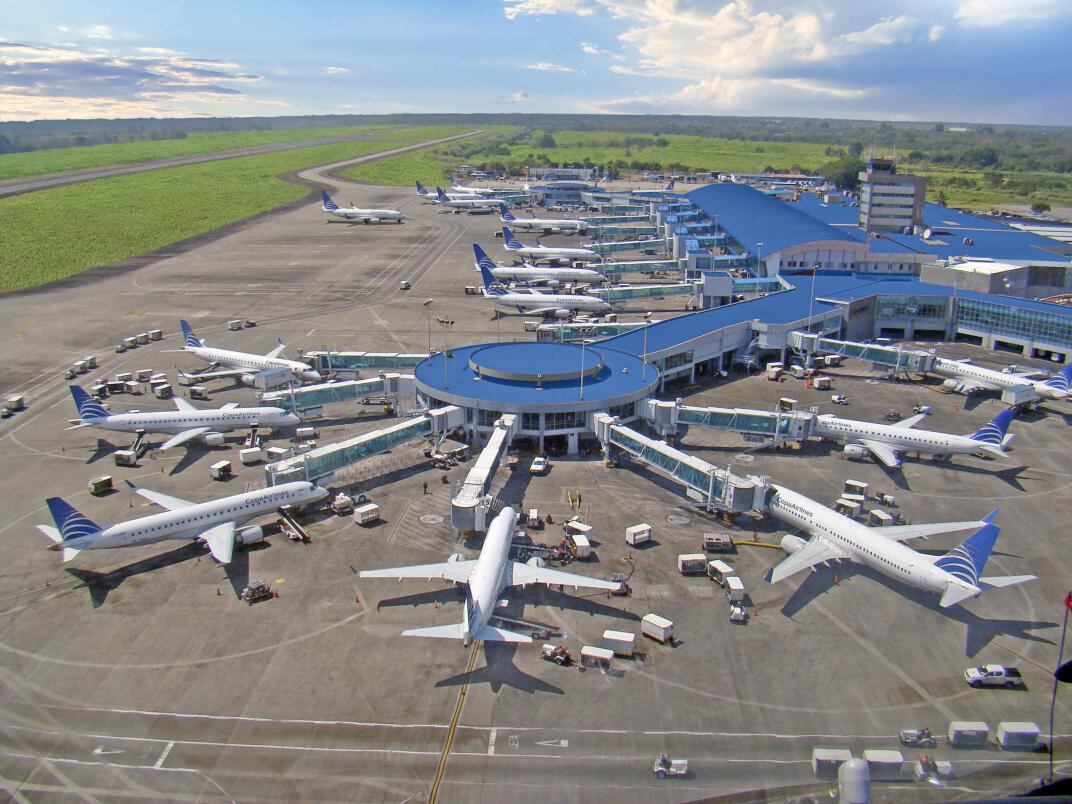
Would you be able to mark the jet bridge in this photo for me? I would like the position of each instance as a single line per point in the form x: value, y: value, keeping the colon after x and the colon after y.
x: 638, y: 266
x: 327, y: 393
x: 602, y: 220
x: 777, y: 425
x: 575, y: 333
x: 332, y: 362
x: 717, y: 489
x: 619, y: 229
x: 321, y: 463
x: 469, y: 508
x: 627, y: 245
x: 893, y: 357
x: 649, y: 291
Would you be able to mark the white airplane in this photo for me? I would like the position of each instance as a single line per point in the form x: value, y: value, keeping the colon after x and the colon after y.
x: 471, y: 204
x: 560, y: 305
x: 461, y: 189
x: 545, y: 225
x: 885, y: 441
x: 956, y: 576
x: 485, y: 578
x: 359, y: 215
x: 184, y: 424
x: 241, y: 364
x: 542, y: 252
x: 214, y: 522
x: 669, y: 188
x: 971, y: 378
x: 534, y: 274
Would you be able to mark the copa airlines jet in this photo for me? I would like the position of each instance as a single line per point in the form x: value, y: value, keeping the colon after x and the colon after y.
x: 241, y: 364
x: 474, y: 203
x: 885, y: 441
x: 971, y: 378
x: 185, y: 424
x: 534, y: 274
x: 545, y: 225
x: 552, y: 253
x: 485, y: 579
x: 461, y: 189
x: 561, y: 305
x: 358, y: 215
x: 956, y: 576
x: 213, y: 522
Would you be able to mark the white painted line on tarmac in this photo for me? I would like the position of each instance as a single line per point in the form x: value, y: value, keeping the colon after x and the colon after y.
x: 164, y: 754
x: 491, y: 742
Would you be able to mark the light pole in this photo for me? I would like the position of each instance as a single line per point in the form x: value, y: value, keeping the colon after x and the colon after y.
x: 446, y: 324
x: 759, y: 257
x: 811, y: 304
x: 584, y: 331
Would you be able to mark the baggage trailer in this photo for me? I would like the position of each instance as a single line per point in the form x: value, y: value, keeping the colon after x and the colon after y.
x: 1018, y: 735
x: 692, y: 563
x: 718, y: 571
x: 658, y: 628
x: 734, y: 589
x: 366, y: 514
x: 638, y: 534
x: 620, y: 642
x: 968, y: 733
x: 826, y: 761
x: 883, y: 765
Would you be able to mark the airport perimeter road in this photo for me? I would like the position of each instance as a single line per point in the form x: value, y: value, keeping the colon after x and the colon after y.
x: 18, y: 186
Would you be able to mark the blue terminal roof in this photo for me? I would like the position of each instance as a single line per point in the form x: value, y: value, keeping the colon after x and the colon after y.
x: 753, y: 217
x: 619, y: 374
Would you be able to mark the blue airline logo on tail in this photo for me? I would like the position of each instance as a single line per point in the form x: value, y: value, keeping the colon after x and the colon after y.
x: 512, y: 243
x: 506, y: 214
x: 492, y: 286
x: 994, y: 431
x: 1062, y: 381
x: 192, y: 341
x: 966, y: 562
x: 71, y: 524
x: 88, y: 407
x: 421, y: 189
x: 328, y: 203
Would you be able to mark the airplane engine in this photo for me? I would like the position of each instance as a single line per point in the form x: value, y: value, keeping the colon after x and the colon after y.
x: 553, y: 283
x: 372, y: 220
x: 248, y: 536
x: 791, y: 544
x: 855, y: 452
x: 212, y: 439
x: 249, y: 379
x: 563, y: 313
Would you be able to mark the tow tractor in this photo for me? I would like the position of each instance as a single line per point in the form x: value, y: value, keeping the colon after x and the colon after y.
x: 917, y: 737
x: 663, y: 766
x: 557, y: 654
x: 257, y: 590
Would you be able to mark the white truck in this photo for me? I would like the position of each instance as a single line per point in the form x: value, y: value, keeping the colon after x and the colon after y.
x: 993, y: 675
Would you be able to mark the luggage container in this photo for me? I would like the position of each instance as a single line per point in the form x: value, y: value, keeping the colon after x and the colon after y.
x: 775, y: 366
x: 124, y: 376
x: 234, y: 326
x: 658, y: 628
x: 884, y: 766
x: 221, y: 470
x: 591, y: 656
x: 198, y: 392
x: 1018, y: 735
x: 132, y: 387
x: 774, y: 374
x: 879, y: 518
x: 832, y: 361
x: 100, y: 390
x: 719, y: 571
x: 366, y: 514
x: 100, y: 485
x: 404, y: 285
x: 142, y: 338
x: 272, y: 454
x: 638, y: 534
x: 797, y: 372
x: 156, y: 334
x: 251, y: 455
x: 15, y: 402
x: 855, y: 489
x: 823, y: 383
x: 786, y: 404
x: 850, y: 508
x: 622, y: 643
x: 717, y: 543
x: 826, y: 761
x: 163, y: 391
x: 158, y: 378
x: 130, y: 343
x: 734, y: 587
x: 692, y: 563
x: 90, y: 361
x: 143, y: 375
x: 116, y: 387
x: 80, y: 367
x: 306, y: 433
x: 343, y: 504
x: 581, y: 545
x: 125, y: 457
x: 968, y: 733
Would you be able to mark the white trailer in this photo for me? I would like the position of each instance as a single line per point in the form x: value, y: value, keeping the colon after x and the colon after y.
x: 1018, y: 735
x: 582, y: 547
x: 734, y: 589
x: 692, y: 563
x: 638, y: 534
x: 883, y: 765
x: 367, y: 513
x: 251, y: 455
x: 968, y: 733
x: 658, y: 628
x: 221, y: 470
x: 718, y: 571
x: 591, y: 656
x: 621, y: 642
x: 826, y: 761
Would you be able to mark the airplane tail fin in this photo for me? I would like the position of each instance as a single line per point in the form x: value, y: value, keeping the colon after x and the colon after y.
x: 70, y: 525
x: 329, y: 205
x: 505, y: 214
x: 440, y: 194
x: 192, y: 341
x: 492, y: 286
x: 511, y: 242
x: 993, y: 434
x: 421, y: 189
x: 1062, y: 381
x: 966, y: 561
x: 89, y: 408
x: 669, y: 188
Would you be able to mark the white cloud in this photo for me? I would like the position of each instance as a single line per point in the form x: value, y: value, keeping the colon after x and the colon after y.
x: 547, y: 66
x: 517, y: 97
x: 336, y: 70
x: 156, y: 51
x: 993, y: 13
x: 62, y: 28
x: 936, y: 32
x: 887, y: 31
x: 592, y: 50
x: 521, y: 8
x: 100, y: 32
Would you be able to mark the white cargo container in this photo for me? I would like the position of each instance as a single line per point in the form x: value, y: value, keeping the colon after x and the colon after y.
x: 855, y: 489
x: 833, y: 360
x: 16, y: 402
x: 719, y: 571
x: 591, y: 656
x: 220, y: 470
x: 142, y: 338
x: 692, y: 563
x: 638, y: 534
x: 734, y: 587
x: 364, y: 514
x: 797, y: 371
x: 234, y: 326
x: 1017, y: 735
x: 826, y: 761
x: 582, y: 546
x: 156, y: 334
x: 823, y: 383
x: 100, y: 485
x: 879, y: 518
x: 968, y: 733
x: 306, y: 433
x: 143, y: 375
x: 163, y: 391
x: 272, y: 454
x: 622, y: 643
x: 90, y: 361
x: 131, y: 342
x: 251, y: 455
x: 883, y: 765
x: 850, y: 508
x: 125, y: 457
x: 658, y: 628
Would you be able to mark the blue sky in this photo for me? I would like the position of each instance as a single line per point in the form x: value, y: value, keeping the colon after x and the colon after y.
x: 1000, y: 61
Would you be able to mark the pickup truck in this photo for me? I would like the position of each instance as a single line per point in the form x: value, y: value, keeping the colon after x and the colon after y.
x: 993, y: 675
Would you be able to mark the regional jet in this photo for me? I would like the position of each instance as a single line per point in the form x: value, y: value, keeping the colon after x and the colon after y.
x: 542, y: 252
x: 560, y: 305
x: 467, y: 203
x: 886, y: 441
x: 545, y: 225
x: 533, y: 274
x: 183, y: 425
x: 241, y: 364
x: 214, y: 522
x: 484, y: 580
x: 967, y: 379
x: 358, y: 215
x: 956, y: 576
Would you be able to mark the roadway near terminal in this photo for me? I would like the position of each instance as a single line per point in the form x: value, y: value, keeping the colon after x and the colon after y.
x: 137, y: 673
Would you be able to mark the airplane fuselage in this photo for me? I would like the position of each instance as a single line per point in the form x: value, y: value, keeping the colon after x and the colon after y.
x: 563, y: 301
x: 367, y: 215
x: 905, y: 439
x: 551, y: 253
x: 487, y: 582
x: 966, y: 371
x: 548, y: 225
x: 181, y: 421
x: 533, y: 274
x: 255, y: 363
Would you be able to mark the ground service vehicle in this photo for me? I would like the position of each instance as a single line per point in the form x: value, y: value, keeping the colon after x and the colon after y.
x: 993, y: 675
x: 663, y: 766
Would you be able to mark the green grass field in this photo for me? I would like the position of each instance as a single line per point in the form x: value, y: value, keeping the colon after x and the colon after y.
x: 53, y: 160
x: 981, y: 190
x: 51, y: 234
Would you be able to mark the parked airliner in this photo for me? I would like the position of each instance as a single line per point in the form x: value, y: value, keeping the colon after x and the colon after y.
x: 545, y: 225
x: 970, y: 378
x: 358, y: 215
x: 534, y: 274
x: 885, y: 441
x: 542, y: 252
x: 185, y: 424
x: 214, y: 522
x: 484, y: 579
x: 956, y: 576
x: 560, y: 305
x: 241, y: 364
x: 473, y: 203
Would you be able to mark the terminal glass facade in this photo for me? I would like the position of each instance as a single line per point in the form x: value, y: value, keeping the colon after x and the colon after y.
x: 933, y: 308
x: 1003, y: 319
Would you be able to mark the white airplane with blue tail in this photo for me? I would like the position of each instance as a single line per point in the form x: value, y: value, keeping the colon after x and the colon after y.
x: 545, y: 225
x: 243, y: 365
x: 357, y: 214
x: 551, y: 253
x: 967, y: 378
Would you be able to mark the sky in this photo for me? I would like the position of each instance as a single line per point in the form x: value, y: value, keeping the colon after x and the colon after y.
x: 994, y: 61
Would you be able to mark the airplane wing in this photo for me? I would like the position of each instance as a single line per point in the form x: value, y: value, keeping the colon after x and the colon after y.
x: 911, y: 421
x: 220, y: 541
x: 277, y: 351
x: 900, y: 533
x: 210, y: 375
x: 230, y: 406
x: 972, y: 385
x: 535, y: 310
x: 183, y: 406
x: 163, y: 500
x: 523, y: 574
x: 884, y: 452
x: 184, y: 436
x: 816, y: 551
x: 457, y: 571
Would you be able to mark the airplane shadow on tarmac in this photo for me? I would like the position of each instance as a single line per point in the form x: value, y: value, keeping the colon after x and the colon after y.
x: 500, y: 671
x: 980, y: 631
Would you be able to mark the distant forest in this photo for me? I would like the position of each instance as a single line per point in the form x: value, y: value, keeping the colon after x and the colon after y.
x: 979, y: 147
